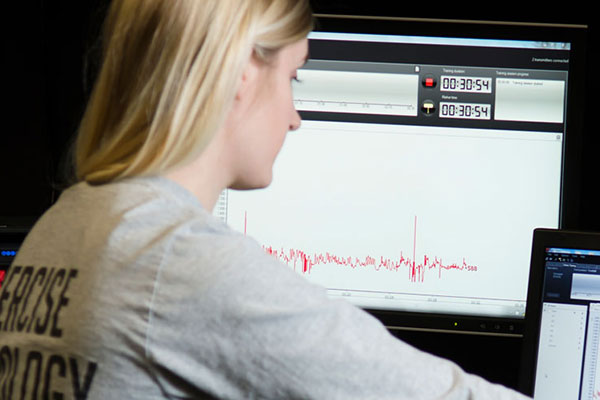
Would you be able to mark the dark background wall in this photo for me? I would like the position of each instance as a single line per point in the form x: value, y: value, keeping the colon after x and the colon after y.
x: 49, y: 61
x: 51, y: 54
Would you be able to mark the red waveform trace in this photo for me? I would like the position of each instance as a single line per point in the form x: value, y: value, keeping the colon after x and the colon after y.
x: 416, y: 271
x: 303, y: 262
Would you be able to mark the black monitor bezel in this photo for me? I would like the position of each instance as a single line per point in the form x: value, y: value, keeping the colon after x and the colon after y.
x: 570, y: 217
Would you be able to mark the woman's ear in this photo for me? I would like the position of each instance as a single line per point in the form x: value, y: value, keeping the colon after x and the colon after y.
x: 249, y: 79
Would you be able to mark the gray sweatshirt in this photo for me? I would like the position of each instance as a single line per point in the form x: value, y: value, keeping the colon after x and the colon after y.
x: 132, y: 290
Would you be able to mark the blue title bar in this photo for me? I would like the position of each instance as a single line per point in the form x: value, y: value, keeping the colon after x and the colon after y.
x: 573, y: 251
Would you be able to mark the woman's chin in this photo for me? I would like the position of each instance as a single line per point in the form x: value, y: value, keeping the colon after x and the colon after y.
x: 251, y: 184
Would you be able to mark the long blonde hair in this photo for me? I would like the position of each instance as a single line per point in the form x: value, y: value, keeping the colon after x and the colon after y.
x: 170, y: 71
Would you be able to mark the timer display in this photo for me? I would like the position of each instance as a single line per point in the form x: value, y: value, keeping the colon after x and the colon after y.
x: 465, y: 111
x: 465, y: 84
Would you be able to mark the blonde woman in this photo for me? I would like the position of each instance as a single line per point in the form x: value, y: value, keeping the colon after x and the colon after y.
x: 128, y: 287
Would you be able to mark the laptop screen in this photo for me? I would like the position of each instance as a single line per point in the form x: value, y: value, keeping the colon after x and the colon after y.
x: 568, y: 337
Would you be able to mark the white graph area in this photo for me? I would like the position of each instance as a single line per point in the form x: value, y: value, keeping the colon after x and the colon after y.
x: 357, y: 92
x: 355, y: 189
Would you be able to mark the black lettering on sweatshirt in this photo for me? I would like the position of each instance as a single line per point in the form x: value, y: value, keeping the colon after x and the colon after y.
x: 81, y: 387
x: 9, y: 361
x: 31, y: 299
x: 33, y: 369
x: 56, y: 365
x: 62, y: 301
x: 18, y: 295
x: 40, y: 328
x: 38, y: 375
x: 49, y: 279
x: 5, y: 291
x: 39, y: 276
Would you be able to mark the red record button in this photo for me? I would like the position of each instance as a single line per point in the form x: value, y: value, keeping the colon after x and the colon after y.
x: 429, y: 81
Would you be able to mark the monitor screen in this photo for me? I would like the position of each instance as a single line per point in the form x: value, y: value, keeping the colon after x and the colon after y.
x: 428, y: 153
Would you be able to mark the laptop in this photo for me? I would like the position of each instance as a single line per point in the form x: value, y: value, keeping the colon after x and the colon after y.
x: 561, y: 346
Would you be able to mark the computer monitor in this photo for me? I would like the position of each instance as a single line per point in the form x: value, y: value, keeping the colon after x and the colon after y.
x: 428, y: 153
